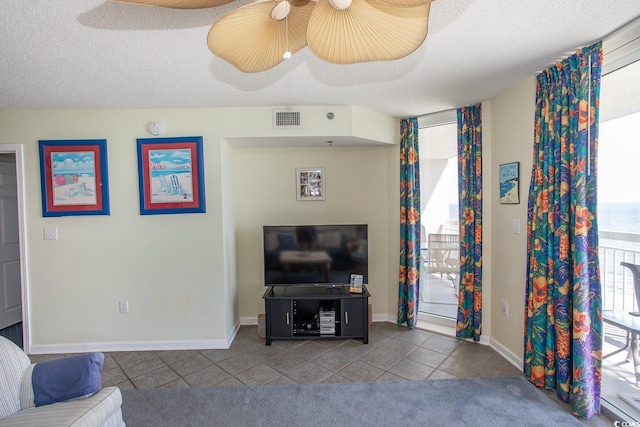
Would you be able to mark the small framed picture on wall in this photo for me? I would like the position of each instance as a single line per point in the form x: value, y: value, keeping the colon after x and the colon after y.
x: 310, y: 183
x: 510, y: 183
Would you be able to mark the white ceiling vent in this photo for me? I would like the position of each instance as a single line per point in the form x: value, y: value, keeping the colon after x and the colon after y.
x: 287, y: 119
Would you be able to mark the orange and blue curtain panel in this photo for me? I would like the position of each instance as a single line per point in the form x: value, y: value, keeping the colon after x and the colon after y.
x: 563, y: 319
x: 469, y: 318
x: 409, y: 279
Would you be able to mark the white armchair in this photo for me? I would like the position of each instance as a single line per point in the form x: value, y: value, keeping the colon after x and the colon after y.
x: 18, y: 408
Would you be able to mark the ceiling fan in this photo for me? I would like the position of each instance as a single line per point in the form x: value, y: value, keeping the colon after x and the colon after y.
x: 260, y: 35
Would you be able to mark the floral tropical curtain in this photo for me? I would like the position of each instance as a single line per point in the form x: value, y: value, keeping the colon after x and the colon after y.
x: 563, y: 322
x: 469, y: 318
x: 409, y: 279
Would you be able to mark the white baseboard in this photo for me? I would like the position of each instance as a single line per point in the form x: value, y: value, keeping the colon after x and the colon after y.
x: 216, y: 344
x: 510, y: 356
x: 382, y: 318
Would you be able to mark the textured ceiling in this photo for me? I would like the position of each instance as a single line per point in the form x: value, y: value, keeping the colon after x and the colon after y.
x: 77, y: 54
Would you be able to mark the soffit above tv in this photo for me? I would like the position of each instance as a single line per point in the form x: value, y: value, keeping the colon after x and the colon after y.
x: 304, y: 141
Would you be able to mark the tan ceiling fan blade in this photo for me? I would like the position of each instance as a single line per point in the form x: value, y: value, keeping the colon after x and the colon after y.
x: 366, y: 31
x: 405, y: 3
x: 179, y: 4
x: 252, y: 41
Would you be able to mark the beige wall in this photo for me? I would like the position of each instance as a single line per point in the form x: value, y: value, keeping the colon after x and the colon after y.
x: 178, y: 272
x: 191, y: 279
x: 359, y: 187
x: 512, y: 120
x: 169, y: 267
x: 229, y: 238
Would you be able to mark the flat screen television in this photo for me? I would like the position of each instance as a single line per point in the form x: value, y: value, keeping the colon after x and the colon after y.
x: 315, y: 254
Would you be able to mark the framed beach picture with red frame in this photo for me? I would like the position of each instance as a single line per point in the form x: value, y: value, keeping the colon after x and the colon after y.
x: 74, y: 177
x: 171, y: 175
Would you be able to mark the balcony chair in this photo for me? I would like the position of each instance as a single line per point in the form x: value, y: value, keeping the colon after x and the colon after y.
x: 635, y: 270
x: 58, y: 392
x: 444, y: 255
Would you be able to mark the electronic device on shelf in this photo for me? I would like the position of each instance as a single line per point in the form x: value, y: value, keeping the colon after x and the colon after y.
x: 327, y: 320
x: 315, y: 254
x: 306, y: 328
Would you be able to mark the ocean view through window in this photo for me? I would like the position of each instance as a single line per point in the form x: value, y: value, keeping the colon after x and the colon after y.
x: 619, y: 216
x: 618, y: 176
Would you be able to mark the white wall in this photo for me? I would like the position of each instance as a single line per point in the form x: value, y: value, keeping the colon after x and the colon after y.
x: 178, y: 272
x: 512, y: 131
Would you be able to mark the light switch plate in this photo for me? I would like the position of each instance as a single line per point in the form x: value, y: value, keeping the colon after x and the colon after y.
x: 516, y: 226
x: 51, y: 233
x: 124, y: 307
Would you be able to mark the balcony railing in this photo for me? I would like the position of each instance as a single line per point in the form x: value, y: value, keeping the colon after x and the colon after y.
x: 617, y: 281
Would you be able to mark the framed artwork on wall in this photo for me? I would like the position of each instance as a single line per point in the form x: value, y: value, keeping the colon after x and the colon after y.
x: 310, y: 184
x: 74, y: 177
x: 171, y: 175
x: 510, y: 183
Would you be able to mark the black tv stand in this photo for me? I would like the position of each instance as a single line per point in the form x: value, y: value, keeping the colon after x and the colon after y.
x: 307, y: 312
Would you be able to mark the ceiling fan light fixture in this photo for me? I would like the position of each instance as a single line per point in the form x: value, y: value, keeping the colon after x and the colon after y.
x: 281, y: 10
x: 258, y: 36
x: 366, y: 31
x: 252, y: 40
x: 340, y: 4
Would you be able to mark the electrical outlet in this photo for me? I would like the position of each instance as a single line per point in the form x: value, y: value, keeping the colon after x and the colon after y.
x: 124, y: 307
x: 50, y: 233
x: 505, y: 308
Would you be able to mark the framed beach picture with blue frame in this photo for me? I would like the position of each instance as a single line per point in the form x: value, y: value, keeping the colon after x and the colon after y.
x: 171, y: 175
x: 74, y: 177
x: 510, y: 183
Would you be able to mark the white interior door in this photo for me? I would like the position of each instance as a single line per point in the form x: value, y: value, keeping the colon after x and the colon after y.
x: 10, y: 288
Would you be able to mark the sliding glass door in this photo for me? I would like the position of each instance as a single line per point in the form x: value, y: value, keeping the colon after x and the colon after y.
x: 619, y: 229
x: 440, y: 230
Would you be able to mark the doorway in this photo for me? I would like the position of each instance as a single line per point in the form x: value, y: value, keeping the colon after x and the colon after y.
x: 439, y: 222
x: 12, y: 246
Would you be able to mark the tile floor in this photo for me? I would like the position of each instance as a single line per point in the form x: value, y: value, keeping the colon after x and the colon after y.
x: 394, y: 353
